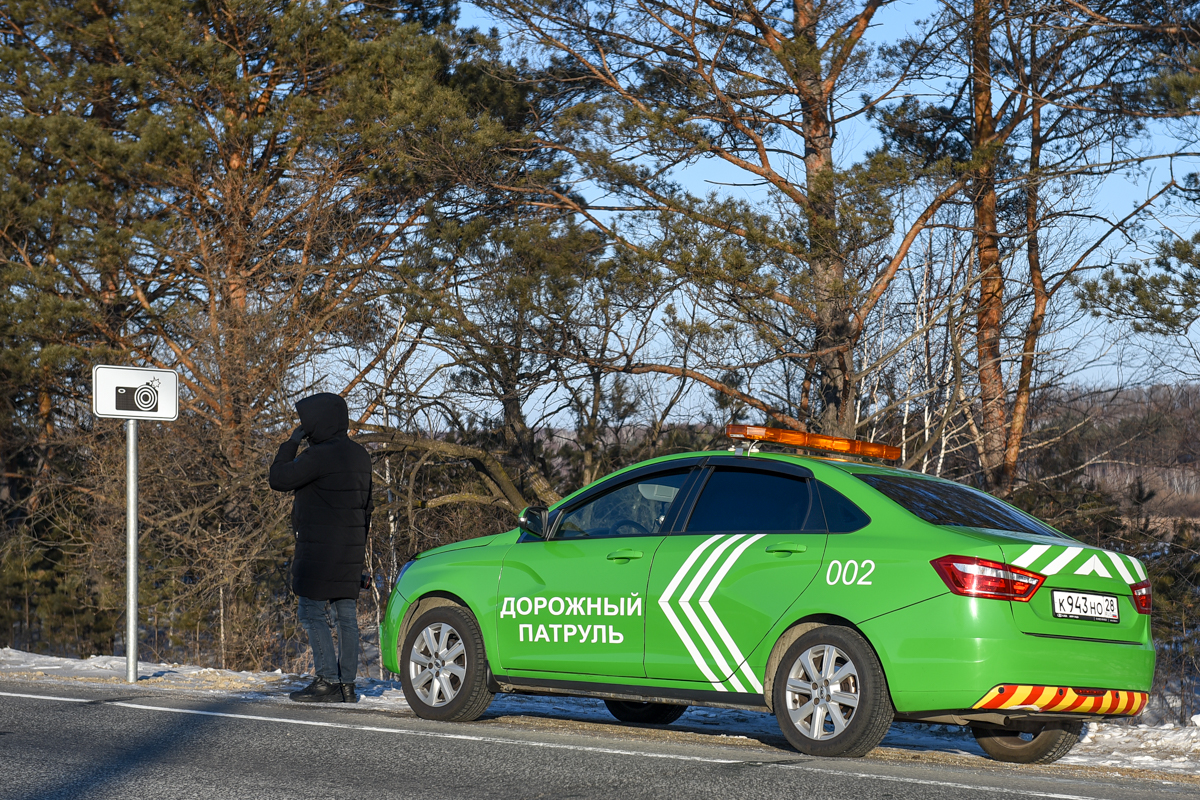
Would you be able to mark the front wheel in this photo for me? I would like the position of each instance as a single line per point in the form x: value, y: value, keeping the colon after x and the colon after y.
x: 443, y: 666
x: 645, y: 713
x: 830, y: 695
x: 1042, y: 744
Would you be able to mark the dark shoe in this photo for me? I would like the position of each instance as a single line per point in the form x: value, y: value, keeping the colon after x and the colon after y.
x: 319, y: 691
x: 349, y: 693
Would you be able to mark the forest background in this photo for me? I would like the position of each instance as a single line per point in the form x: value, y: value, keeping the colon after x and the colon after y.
x: 562, y: 237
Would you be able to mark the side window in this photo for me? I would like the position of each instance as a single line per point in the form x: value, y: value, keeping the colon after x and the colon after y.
x: 841, y: 516
x: 736, y: 500
x: 635, y: 509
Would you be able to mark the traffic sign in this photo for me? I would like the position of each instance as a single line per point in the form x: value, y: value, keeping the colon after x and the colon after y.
x: 131, y: 394
x: 134, y: 393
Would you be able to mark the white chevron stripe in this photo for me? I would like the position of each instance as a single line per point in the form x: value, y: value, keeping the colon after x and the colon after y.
x: 1137, y: 565
x: 664, y: 602
x: 1065, y: 558
x: 1031, y: 555
x: 716, y: 621
x: 1093, y: 564
x: 1120, y: 565
x: 685, y: 604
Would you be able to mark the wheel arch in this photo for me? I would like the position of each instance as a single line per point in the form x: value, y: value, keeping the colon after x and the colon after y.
x: 426, y: 602
x: 794, y: 632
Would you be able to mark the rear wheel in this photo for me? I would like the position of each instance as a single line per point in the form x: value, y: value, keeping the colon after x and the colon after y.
x: 830, y: 695
x: 443, y: 666
x: 1042, y: 744
x: 645, y: 713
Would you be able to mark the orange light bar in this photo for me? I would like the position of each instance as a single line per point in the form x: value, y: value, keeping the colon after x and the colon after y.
x: 815, y: 441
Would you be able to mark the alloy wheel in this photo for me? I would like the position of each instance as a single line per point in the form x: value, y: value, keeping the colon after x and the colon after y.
x: 438, y: 664
x: 822, y: 692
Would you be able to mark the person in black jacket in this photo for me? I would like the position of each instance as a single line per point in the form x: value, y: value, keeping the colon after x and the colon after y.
x: 331, y: 515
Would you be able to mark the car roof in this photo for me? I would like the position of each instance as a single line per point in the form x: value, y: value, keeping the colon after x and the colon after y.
x: 821, y: 462
x: 849, y: 466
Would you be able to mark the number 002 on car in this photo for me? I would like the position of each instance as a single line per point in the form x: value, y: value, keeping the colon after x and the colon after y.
x: 1082, y: 605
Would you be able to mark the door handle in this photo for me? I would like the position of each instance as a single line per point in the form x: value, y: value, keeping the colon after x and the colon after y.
x: 785, y: 548
x: 623, y: 556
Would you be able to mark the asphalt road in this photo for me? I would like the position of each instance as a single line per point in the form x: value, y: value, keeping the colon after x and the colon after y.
x: 82, y: 743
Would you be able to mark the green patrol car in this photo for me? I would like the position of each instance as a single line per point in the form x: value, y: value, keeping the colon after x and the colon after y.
x: 838, y: 595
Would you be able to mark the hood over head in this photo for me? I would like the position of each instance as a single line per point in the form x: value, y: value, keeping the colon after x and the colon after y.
x: 323, y: 416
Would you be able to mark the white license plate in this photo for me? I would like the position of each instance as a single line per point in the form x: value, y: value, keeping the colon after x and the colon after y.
x: 1085, y: 605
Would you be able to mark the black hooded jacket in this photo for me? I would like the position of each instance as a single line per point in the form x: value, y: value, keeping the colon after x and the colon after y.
x: 332, y: 510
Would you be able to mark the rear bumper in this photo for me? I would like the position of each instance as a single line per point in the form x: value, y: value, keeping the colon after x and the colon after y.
x: 974, y: 647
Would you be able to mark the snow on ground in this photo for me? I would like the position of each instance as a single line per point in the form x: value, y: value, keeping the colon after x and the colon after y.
x: 1163, y: 748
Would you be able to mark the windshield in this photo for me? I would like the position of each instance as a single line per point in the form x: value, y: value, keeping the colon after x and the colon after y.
x: 953, y: 504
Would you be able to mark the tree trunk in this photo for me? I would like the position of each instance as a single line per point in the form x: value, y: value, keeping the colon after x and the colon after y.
x: 833, y: 340
x: 522, y: 445
x: 989, y: 315
x: 1041, y: 297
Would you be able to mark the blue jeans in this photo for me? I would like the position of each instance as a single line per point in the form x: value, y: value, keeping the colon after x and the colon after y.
x: 318, y: 618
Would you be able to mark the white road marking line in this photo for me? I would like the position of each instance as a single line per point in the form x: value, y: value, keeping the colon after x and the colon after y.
x: 685, y: 604
x: 376, y: 729
x: 1031, y: 555
x: 1064, y: 558
x: 555, y: 746
x: 1120, y: 565
x: 716, y: 621
x: 434, y: 734
x: 664, y: 603
x: 46, y: 697
x: 945, y: 784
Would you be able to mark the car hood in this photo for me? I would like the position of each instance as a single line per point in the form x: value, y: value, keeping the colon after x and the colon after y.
x: 478, y: 541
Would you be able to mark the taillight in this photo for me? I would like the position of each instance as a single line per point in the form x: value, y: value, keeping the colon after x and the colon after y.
x: 978, y: 577
x: 1143, y: 599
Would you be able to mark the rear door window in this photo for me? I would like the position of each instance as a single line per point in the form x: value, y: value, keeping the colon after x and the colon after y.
x: 945, y: 503
x: 735, y: 501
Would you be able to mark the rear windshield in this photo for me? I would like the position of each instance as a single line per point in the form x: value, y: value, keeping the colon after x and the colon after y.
x: 953, y: 504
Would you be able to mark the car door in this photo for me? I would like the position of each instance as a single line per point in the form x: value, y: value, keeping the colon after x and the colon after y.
x: 753, y: 541
x: 575, y: 602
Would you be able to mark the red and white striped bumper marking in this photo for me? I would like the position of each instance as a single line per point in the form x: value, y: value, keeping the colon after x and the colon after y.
x: 1062, y: 698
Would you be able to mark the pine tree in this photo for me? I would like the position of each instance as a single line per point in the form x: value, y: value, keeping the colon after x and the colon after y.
x: 226, y: 189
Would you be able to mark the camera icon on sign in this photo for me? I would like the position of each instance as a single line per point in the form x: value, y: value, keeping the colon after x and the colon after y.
x: 138, y: 398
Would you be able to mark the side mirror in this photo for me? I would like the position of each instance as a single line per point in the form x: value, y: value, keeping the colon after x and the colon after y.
x: 534, y: 520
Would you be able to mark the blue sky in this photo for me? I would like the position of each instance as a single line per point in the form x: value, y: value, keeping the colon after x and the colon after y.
x: 1113, y: 349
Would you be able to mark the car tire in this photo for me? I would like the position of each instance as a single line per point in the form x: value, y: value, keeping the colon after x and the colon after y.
x: 849, y: 716
x: 645, y: 713
x: 443, y: 666
x: 1049, y: 742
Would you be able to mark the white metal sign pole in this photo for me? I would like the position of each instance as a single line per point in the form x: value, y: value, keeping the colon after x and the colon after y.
x: 131, y: 551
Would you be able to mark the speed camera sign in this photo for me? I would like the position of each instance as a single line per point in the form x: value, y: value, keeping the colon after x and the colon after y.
x: 131, y: 393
